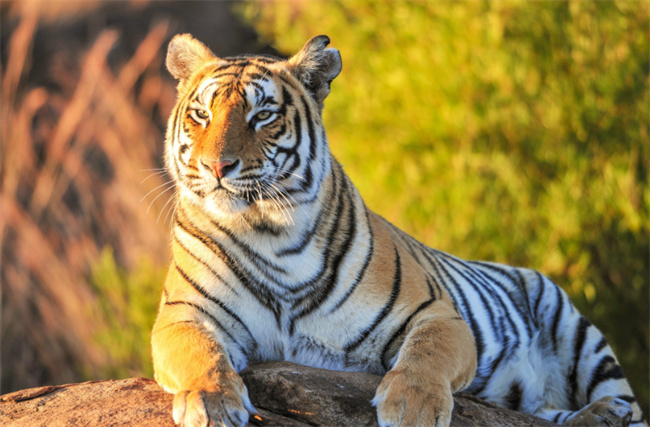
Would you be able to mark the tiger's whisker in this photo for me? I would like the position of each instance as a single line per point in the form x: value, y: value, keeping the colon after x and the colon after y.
x: 164, y: 184
x: 156, y: 198
x: 166, y: 204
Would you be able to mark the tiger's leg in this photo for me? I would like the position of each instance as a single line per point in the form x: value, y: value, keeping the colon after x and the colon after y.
x: 191, y: 361
x: 608, y: 411
x: 595, y: 391
x: 437, y: 358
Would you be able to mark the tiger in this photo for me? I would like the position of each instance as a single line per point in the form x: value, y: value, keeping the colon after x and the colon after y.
x: 275, y: 257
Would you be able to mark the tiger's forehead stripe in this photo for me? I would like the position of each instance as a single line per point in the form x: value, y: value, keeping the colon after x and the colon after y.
x: 206, y: 91
x: 259, y: 89
x: 253, y: 83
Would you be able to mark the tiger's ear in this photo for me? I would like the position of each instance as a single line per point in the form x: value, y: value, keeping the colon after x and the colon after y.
x: 315, y: 67
x: 185, y: 55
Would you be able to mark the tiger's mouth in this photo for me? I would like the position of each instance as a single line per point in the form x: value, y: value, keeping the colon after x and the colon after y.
x: 230, y: 197
x: 262, y: 197
x: 223, y: 187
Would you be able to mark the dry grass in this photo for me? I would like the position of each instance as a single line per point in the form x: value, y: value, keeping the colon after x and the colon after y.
x: 84, y: 103
x: 80, y: 161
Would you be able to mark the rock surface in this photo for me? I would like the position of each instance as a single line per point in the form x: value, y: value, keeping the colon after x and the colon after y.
x: 285, y: 394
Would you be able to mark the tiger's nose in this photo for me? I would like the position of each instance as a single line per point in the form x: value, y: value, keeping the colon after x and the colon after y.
x: 220, y: 168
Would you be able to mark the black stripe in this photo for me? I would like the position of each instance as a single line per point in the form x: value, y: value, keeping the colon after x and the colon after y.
x: 578, y: 344
x: 627, y: 398
x: 205, y: 264
x: 468, y: 315
x: 310, y: 130
x: 212, y: 320
x: 492, y: 285
x: 541, y: 286
x: 291, y: 153
x: 556, y: 318
x: 331, y: 278
x: 223, y: 74
x: 601, y: 344
x: 220, y: 69
x: 517, y: 280
x: 290, y: 82
x: 255, y: 287
x: 602, y: 373
x: 361, y: 273
x: 479, y: 290
x: 513, y: 398
x: 281, y: 131
x: 397, y: 280
x: 400, y: 331
x: 177, y: 127
x: 217, y: 301
x: 249, y: 252
x: 258, y: 88
x: 485, y: 289
x: 305, y: 238
x: 439, y: 289
x: 505, y: 351
x: 252, y: 76
x: 246, y: 60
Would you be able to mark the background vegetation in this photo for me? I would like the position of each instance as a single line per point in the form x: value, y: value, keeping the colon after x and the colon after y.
x: 506, y: 131
x: 85, y: 210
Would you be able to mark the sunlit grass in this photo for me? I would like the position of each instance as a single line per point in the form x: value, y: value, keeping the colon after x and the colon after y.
x: 129, y: 301
x: 507, y: 131
x: 73, y: 154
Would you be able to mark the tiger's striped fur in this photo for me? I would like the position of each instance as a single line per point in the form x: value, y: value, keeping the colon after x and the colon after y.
x: 276, y: 257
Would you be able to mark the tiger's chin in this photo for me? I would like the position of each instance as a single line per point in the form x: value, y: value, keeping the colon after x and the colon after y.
x: 242, y: 215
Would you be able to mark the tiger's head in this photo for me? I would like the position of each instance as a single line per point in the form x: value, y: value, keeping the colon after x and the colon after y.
x: 246, y: 135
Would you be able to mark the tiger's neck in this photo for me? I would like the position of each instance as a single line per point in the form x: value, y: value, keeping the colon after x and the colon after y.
x: 271, y: 231
x: 292, y: 266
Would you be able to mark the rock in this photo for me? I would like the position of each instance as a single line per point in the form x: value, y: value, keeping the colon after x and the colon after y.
x: 331, y: 398
x: 285, y: 394
x: 134, y: 401
x: 314, y: 396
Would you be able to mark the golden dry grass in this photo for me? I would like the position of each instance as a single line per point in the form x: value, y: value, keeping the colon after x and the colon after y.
x: 80, y: 161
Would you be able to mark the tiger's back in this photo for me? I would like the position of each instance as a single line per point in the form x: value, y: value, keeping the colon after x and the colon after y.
x: 276, y: 257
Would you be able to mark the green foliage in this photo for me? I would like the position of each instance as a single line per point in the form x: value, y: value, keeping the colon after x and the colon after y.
x: 129, y: 302
x: 508, y: 131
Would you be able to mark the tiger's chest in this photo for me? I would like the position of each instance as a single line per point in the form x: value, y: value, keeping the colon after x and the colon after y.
x: 319, y: 341
x: 289, y: 302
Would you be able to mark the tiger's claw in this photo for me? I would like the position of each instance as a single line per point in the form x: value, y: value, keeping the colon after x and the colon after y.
x: 404, y: 400
x: 195, y: 408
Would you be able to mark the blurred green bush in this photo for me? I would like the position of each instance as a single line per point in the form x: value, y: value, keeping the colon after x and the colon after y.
x: 128, y: 300
x: 508, y: 131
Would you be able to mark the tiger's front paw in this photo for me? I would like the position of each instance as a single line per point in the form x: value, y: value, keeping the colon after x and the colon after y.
x: 196, y: 408
x: 407, y: 400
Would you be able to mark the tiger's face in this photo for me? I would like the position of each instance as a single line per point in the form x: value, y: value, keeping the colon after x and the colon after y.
x: 245, y: 137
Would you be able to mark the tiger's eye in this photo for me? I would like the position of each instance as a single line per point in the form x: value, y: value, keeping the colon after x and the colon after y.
x: 263, y: 115
x: 202, y: 114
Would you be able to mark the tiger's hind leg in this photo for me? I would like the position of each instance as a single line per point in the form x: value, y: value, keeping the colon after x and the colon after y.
x: 608, y: 411
x: 600, y: 393
x: 589, y: 385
